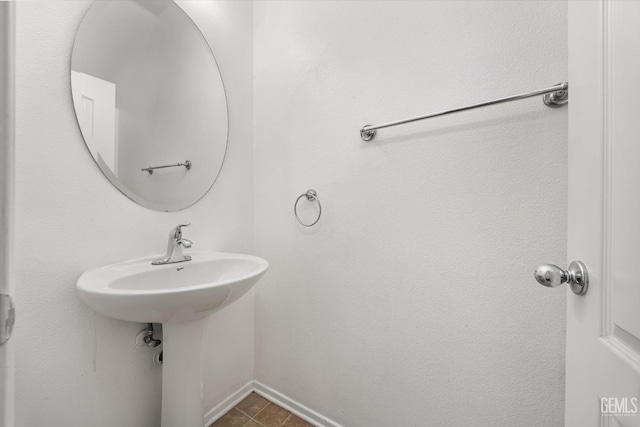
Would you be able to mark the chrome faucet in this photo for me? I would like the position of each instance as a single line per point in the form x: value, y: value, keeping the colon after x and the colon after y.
x: 174, y: 248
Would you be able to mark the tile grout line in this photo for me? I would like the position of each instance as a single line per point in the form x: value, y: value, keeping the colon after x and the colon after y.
x: 286, y: 419
x: 253, y: 418
x: 258, y: 413
x: 242, y: 412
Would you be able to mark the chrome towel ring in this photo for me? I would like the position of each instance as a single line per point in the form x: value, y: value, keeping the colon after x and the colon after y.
x: 311, y: 196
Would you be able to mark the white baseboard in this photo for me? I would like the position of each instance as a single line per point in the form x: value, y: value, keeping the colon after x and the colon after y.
x: 226, y: 405
x: 307, y: 414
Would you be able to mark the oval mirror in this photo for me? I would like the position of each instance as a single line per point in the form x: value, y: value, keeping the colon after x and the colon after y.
x: 150, y: 102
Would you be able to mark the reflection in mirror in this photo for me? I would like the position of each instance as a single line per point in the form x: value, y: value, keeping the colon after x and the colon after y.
x: 150, y: 102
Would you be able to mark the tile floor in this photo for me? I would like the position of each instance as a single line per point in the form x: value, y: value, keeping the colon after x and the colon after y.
x: 256, y: 411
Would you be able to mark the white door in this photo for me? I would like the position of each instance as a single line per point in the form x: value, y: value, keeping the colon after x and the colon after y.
x: 603, y: 326
x: 6, y: 202
x: 95, y: 103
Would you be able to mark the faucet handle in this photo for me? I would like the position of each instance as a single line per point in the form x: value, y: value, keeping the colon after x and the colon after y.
x: 177, y: 231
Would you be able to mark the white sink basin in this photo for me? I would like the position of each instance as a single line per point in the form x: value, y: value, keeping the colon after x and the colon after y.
x: 180, y: 296
x: 140, y: 292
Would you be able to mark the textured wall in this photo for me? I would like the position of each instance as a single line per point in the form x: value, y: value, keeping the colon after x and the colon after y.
x: 74, y: 367
x: 412, y: 303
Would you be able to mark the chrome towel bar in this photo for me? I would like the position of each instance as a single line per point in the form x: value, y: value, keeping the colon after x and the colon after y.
x: 186, y: 164
x: 554, y: 96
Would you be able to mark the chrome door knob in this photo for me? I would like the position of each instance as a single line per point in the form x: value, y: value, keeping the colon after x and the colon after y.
x: 576, y: 275
x: 551, y: 275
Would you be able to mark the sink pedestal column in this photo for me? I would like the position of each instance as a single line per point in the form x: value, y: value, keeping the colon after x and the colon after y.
x: 181, y: 374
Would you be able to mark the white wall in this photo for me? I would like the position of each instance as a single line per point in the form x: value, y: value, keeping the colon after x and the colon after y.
x: 74, y: 367
x: 412, y: 303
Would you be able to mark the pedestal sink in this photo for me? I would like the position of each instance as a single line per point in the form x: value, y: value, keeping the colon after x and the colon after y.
x: 180, y: 296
